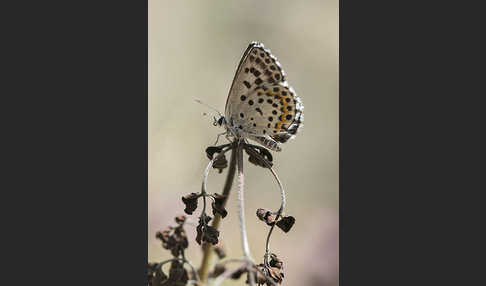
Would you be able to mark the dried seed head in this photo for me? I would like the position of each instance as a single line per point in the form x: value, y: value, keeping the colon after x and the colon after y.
x: 156, y: 276
x: 219, y: 163
x: 266, y: 216
x: 286, y: 223
x: 213, y: 149
x: 164, y: 235
x: 275, y: 274
x: 190, y: 201
x: 173, y: 239
x: 178, y: 274
x: 210, y: 235
x: 206, y: 233
x: 218, y: 205
x: 275, y: 261
x: 180, y: 219
x: 219, y: 199
x: 261, y: 213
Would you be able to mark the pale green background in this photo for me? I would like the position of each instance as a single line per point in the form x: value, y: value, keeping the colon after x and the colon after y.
x: 194, y: 49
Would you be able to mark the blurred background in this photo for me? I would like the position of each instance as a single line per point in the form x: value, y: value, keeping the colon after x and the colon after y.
x: 194, y: 49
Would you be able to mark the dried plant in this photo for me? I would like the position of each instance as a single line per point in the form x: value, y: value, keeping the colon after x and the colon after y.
x: 174, y: 238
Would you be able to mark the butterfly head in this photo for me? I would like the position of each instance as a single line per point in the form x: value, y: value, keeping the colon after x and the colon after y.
x: 220, y: 121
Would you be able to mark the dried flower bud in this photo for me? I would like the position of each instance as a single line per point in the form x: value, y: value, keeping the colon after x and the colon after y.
x: 178, y: 274
x: 261, y: 213
x: 199, y: 234
x: 270, y: 220
x: 219, y: 199
x: 190, y: 201
x: 275, y: 261
x: 213, y: 149
x: 164, y: 236
x: 174, y: 239
x: 180, y: 219
x: 266, y: 216
x: 156, y: 277
x: 218, y: 205
x: 286, y: 223
x: 220, y: 163
x: 275, y: 274
x: 206, y: 233
x: 210, y: 235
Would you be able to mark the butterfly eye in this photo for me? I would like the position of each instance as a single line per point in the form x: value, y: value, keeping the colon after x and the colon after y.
x: 220, y: 120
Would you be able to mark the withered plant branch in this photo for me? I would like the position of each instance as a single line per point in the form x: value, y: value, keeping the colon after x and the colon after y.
x: 231, y: 260
x: 270, y: 279
x: 207, y: 247
x: 246, y: 264
x: 227, y: 273
x: 206, y: 174
x: 183, y: 260
x: 282, y: 200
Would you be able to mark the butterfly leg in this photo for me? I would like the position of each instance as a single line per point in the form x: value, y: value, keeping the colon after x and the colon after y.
x: 217, y: 138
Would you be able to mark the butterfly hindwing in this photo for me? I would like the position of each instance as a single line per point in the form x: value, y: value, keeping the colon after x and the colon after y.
x: 268, y: 110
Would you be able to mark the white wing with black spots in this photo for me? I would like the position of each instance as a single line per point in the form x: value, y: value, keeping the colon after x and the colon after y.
x: 261, y: 106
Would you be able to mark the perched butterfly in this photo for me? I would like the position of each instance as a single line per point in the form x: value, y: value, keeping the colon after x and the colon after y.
x: 261, y: 106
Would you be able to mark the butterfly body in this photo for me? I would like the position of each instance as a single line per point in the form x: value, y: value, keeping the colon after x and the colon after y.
x: 261, y: 106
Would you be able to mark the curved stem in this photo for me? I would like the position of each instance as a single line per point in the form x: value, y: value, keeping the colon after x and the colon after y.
x: 282, y: 200
x: 208, y: 168
x: 279, y: 213
x: 205, y: 178
x: 208, y: 248
x: 183, y: 260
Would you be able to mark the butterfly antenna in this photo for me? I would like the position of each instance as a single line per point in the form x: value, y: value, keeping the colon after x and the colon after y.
x: 209, y: 106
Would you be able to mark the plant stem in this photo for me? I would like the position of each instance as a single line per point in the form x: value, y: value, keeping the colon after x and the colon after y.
x: 241, y: 202
x: 183, y: 260
x: 282, y: 202
x: 279, y: 213
x: 207, y: 247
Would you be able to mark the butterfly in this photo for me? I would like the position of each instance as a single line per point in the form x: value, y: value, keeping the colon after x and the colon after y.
x: 261, y: 106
